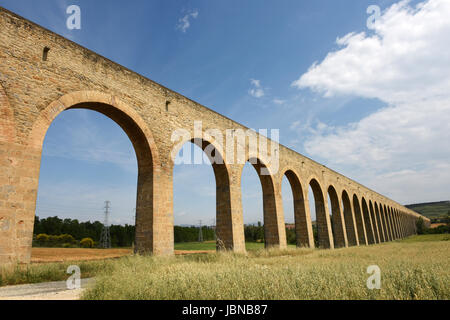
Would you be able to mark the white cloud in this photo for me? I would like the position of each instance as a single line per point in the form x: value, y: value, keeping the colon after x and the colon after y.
x: 279, y: 101
x: 403, y: 149
x: 184, y: 23
x: 256, y: 91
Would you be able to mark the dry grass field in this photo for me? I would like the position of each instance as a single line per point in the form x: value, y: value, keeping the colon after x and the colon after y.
x: 411, y: 269
x: 414, y: 268
x: 45, y: 255
x: 49, y: 255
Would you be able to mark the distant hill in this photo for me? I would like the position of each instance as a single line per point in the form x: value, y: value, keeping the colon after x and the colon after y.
x: 431, y: 209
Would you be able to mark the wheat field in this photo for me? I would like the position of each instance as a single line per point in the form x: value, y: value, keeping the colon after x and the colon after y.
x: 409, y: 270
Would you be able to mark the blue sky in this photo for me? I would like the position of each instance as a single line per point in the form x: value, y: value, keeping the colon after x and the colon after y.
x: 268, y: 65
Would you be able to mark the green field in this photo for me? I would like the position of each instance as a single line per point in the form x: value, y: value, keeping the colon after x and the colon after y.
x: 427, y: 237
x: 432, y: 209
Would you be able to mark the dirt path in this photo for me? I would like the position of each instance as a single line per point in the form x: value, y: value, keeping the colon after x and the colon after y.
x: 56, y: 290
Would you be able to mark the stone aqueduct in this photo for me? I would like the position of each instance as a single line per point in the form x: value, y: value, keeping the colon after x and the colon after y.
x: 43, y: 74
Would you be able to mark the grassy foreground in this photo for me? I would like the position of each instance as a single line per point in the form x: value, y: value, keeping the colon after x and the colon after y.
x: 56, y: 271
x: 211, y: 245
x: 37, y: 273
x: 415, y: 270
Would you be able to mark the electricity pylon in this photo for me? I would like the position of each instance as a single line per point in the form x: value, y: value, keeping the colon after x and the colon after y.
x: 200, y: 232
x: 105, y: 238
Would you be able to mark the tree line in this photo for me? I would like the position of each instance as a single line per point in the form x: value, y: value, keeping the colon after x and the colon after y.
x: 445, y: 228
x: 53, y: 231
x: 255, y: 233
x: 121, y: 236
x: 58, y: 232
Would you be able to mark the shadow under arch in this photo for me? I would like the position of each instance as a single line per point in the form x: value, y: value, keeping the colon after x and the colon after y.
x: 303, y: 230
x: 374, y: 223
x: 381, y: 228
x: 274, y: 227
x: 337, y: 221
x: 142, y: 140
x: 384, y: 221
x: 389, y: 222
x: 359, y: 221
x: 397, y: 221
x: 325, y: 235
x: 350, y: 226
x: 367, y: 222
x: 392, y: 221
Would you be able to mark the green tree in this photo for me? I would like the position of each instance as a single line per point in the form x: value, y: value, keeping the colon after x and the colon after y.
x: 42, y: 239
x: 290, y: 236
x: 67, y: 239
x: 87, y: 243
x: 420, y: 225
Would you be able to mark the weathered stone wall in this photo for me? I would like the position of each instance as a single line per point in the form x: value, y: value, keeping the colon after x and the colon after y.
x: 34, y: 91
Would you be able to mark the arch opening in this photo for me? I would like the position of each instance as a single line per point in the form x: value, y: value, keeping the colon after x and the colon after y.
x: 359, y: 221
x: 337, y: 221
x: 323, y: 236
x: 349, y: 220
x: 199, y: 191
x: 384, y: 222
x: 273, y: 228
x: 367, y: 222
x: 388, y: 222
x: 302, y: 234
x: 91, y: 153
x: 379, y: 219
x: 374, y: 223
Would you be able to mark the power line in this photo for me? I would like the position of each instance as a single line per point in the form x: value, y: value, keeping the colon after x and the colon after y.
x: 200, y: 232
x: 214, y: 228
x: 105, y: 238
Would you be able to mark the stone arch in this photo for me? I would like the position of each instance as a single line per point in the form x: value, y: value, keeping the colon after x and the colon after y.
x: 274, y: 225
x: 303, y: 228
x: 228, y: 231
x: 323, y: 222
x: 385, y: 223
x: 107, y: 104
x: 362, y: 237
x: 367, y: 222
x: 404, y: 224
x: 392, y: 221
x: 148, y: 211
x: 337, y: 219
x: 374, y: 223
x: 400, y: 222
x: 396, y: 222
x: 388, y: 222
x: 212, y: 149
x: 349, y: 218
x: 379, y: 218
